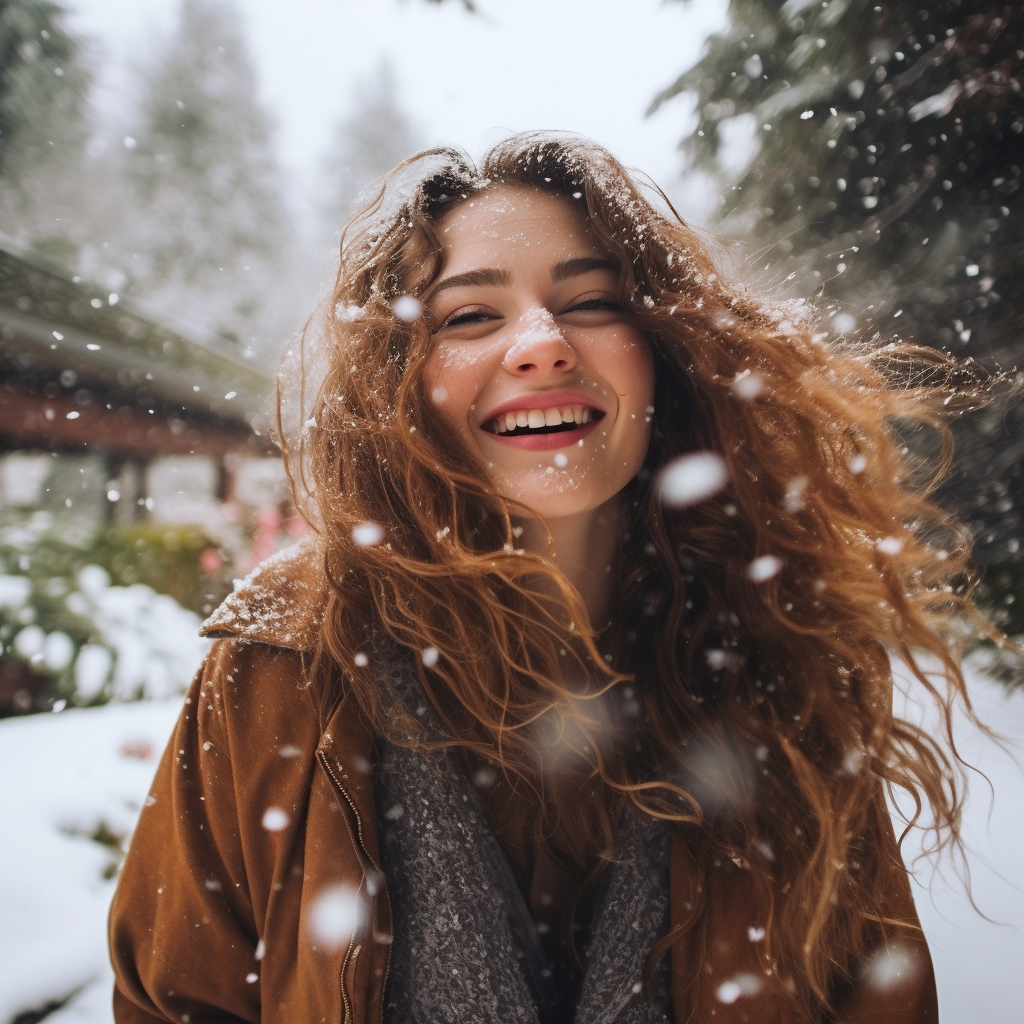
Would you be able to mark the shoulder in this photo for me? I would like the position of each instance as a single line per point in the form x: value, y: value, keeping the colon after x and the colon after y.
x: 255, y: 688
x: 279, y: 603
x: 259, y: 688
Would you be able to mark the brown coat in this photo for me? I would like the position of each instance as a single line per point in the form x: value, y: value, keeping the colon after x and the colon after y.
x: 211, y: 921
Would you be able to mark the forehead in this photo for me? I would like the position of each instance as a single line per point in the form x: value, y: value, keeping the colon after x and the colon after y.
x: 503, y: 225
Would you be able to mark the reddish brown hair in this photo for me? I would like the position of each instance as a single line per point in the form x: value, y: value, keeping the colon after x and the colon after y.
x: 764, y: 706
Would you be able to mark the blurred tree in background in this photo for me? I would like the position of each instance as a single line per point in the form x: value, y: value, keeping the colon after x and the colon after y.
x: 44, y: 131
x: 886, y: 147
x: 376, y: 136
x: 206, y: 217
x: 188, y: 219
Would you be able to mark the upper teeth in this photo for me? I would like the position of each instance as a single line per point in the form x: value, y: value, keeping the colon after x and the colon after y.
x: 541, y: 417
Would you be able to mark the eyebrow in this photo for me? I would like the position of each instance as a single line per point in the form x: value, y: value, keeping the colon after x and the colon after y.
x: 488, y: 276
x: 581, y: 265
x: 495, y: 278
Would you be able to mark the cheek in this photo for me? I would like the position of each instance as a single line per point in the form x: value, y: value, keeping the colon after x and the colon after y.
x: 451, y: 381
x: 627, y: 363
x: 435, y: 381
x: 634, y: 380
x: 642, y: 372
x: 441, y: 390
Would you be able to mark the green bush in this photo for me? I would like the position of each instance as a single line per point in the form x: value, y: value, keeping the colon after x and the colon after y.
x: 89, y: 615
x: 166, y: 558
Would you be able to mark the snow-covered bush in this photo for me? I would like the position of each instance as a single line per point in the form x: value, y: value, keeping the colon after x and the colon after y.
x: 70, y: 635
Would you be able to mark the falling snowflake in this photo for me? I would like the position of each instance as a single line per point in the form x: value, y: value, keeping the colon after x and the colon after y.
x: 275, y: 819
x: 692, y: 478
x: 890, y: 967
x: 747, y: 385
x: 366, y: 535
x: 334, y: 916
x: 890, y: 545
x: 793, y: 499
x: 844, y: 323
x: 764, y: 568
x: 407, y: 308
x: 740, y: 985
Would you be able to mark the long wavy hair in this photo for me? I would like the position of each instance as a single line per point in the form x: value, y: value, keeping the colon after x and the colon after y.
x: 745, y: 691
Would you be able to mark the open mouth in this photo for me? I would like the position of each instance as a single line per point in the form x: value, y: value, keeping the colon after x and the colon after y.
x: 553, y: 420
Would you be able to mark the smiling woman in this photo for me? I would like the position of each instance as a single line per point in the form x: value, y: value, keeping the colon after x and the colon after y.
x: 579, y: 706
x: 544, y: 377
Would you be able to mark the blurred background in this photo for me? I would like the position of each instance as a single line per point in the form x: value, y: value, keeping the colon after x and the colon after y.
x: 174, y: 175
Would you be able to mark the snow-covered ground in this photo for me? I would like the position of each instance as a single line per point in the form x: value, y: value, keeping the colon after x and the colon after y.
x: 64, y: 776
x: 85, y: 773
x: 978, y: 962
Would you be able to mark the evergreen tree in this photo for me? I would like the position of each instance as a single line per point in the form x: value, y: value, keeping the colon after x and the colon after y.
x: 886, y: 170
x: 44, y: 81
x: 373, y: 138
x: 206, y: 234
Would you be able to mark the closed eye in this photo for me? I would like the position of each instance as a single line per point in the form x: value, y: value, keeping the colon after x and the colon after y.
x: 473, y: 316
x: 587, y: 304
x: 468, y: 317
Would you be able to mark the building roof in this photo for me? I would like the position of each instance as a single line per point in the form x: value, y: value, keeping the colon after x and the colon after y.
x: 78, y: 366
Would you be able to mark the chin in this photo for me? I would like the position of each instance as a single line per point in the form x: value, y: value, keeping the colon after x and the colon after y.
x: 555, y: 495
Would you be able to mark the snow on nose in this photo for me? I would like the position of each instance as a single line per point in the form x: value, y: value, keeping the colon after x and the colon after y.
x: 537, y: 325
x: 539, y: 344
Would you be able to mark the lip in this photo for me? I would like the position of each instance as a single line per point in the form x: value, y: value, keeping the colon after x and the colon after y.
x: 543, y: 400
x: 543, y: 442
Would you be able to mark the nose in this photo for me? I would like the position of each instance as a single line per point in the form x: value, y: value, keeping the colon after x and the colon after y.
x: 539, y: 348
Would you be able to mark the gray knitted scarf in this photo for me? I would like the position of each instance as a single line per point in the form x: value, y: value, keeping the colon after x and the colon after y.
x: 466, y: 949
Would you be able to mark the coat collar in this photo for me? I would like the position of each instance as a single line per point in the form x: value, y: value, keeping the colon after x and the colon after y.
x: 281, y: 602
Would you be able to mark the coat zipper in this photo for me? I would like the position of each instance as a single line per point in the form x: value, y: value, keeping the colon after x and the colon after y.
x: 332, y: 775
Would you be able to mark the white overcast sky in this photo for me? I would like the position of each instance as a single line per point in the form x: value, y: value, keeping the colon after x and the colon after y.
x: 590, y: 66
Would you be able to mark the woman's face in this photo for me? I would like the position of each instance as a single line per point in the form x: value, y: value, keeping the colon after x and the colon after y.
x: 533, y: 362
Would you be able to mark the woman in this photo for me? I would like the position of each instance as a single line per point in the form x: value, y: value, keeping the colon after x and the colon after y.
x: 579, y: 707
